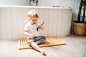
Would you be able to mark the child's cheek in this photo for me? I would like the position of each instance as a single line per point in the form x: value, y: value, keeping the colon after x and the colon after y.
x: 32, y: 22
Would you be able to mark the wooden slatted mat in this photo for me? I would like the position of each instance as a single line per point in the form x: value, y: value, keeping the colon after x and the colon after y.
x: 50, y: 41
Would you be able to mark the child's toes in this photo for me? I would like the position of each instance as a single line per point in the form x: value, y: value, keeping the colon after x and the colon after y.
x: 42, y: 52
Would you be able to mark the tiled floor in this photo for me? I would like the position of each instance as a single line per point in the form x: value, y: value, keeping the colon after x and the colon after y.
x: 75, y: 47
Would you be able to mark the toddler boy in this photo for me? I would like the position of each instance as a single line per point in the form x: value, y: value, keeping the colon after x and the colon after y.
x: 30, y: 29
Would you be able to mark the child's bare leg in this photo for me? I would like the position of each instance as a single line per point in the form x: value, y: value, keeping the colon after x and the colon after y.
x: 35, y: 46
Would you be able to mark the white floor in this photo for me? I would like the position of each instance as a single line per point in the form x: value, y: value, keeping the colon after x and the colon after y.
x: 75, y: 47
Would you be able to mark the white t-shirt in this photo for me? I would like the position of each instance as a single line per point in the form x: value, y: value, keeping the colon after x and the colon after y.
x: 31, y: 29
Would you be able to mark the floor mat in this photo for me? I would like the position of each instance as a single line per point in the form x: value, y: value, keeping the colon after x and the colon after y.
x: 50, y: 41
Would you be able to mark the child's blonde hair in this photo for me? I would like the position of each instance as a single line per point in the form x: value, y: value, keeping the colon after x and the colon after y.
x: 32, y: 13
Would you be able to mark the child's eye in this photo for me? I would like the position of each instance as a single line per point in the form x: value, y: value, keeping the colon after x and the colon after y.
x: 33, y: 20
x: 36, y: 20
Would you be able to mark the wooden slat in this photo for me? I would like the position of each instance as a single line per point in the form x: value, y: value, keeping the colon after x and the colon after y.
x: 55, y: 40
x: 19, y: 43
x: 50, y: 41
x: 23, y: 43
x: 26, y: 43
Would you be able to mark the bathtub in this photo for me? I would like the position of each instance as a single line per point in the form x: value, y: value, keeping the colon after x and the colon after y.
x: 14, y: 18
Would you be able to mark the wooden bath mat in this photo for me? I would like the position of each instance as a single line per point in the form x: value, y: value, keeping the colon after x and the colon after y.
x: 50, y: 41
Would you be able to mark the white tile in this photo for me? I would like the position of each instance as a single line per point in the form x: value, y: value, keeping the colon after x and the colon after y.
x: 75, y: 47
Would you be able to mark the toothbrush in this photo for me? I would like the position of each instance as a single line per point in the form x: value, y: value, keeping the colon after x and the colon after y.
x: 41, y: 24
x: 43, y: 21
x: 34, y: 33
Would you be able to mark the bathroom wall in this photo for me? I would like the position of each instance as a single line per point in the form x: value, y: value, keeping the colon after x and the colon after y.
x: 74, y: 4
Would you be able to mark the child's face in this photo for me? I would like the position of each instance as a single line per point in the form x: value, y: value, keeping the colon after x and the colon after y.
x: 33, y: 20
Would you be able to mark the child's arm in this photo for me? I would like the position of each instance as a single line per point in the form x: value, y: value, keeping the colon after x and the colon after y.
x: 42, y: 27
x: 29, y: 35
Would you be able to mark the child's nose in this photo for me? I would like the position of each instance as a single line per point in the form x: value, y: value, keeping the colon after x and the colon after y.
x: 34, y: 21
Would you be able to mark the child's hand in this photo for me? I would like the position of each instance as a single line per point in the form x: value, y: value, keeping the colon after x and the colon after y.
x: 42, y: 22
x: 32, y: 35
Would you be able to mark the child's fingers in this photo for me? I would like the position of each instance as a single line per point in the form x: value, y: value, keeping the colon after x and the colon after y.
x: 42, y: 22
x: 33, y: 35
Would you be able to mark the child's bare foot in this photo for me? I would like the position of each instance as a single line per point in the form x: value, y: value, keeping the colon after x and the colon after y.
x: 42, y: 51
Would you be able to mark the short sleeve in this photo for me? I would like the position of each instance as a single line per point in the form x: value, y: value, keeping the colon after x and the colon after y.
x: 26, y: 28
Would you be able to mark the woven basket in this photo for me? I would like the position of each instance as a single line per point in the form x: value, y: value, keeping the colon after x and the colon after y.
x: 79, y: 28
x: 85, y: 28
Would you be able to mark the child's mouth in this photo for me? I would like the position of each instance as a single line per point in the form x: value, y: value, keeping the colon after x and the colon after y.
x: 34, y: 23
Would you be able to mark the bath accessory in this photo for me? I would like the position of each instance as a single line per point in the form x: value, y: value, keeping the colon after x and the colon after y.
x: 34, y: 33
x: 50, y: 41
x: 41, y: 24
x: 61, y: 6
